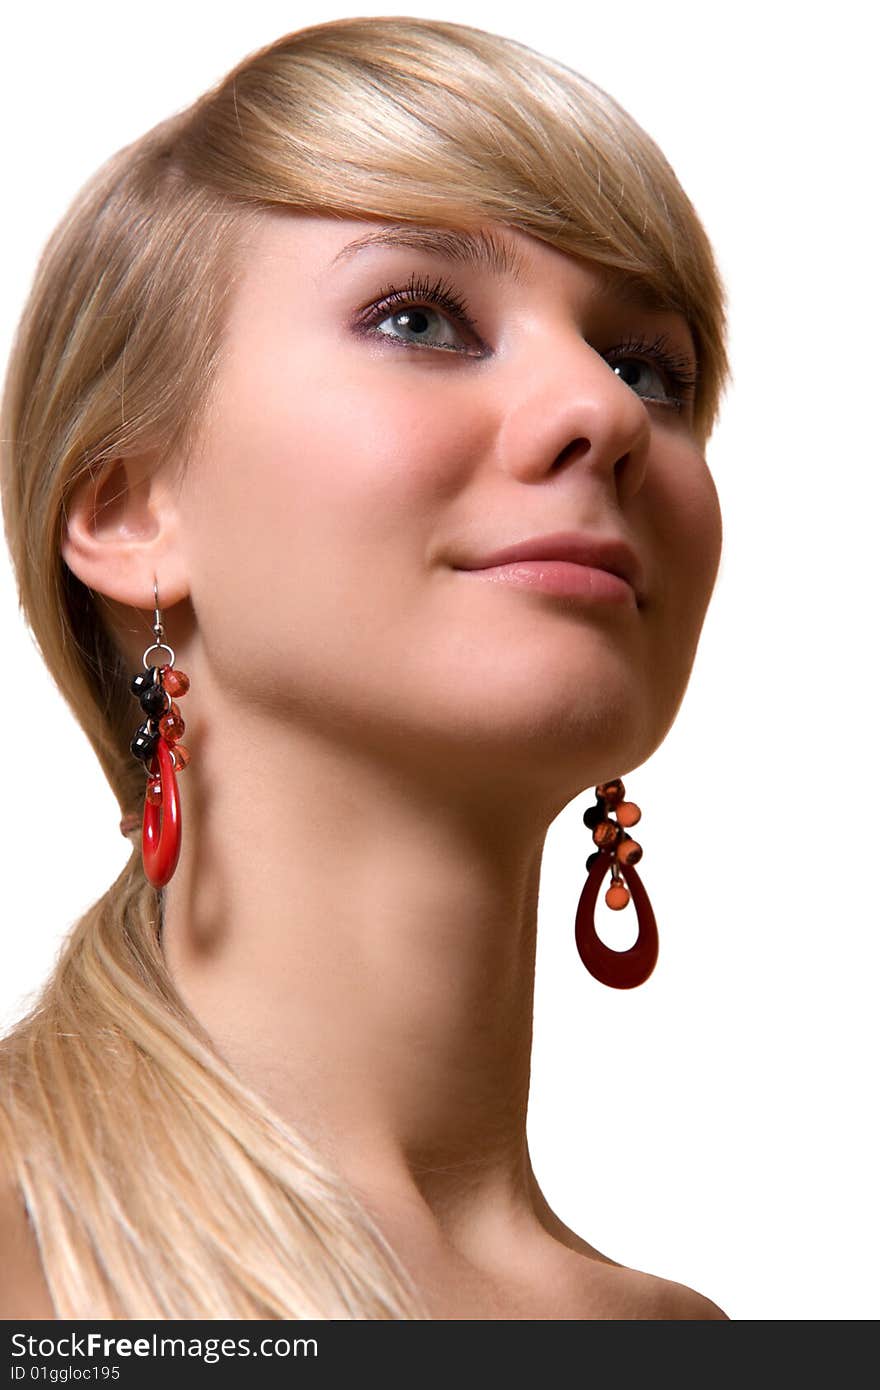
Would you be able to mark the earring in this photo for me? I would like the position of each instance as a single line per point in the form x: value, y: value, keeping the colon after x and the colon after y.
x: 156, y: 745
x: 618, y: 852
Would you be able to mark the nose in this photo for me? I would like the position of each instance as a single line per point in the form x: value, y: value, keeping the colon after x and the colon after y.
x: 573, y: 413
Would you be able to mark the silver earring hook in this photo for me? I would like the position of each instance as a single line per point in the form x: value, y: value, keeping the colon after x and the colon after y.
x: 158, y: 628
x: 158, y: 631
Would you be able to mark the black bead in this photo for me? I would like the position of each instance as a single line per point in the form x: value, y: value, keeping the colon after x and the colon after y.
x: 143, y: 680
x: 143, y: 745
x: 153, y: 700
x: 593, y: 859
x: 594, y: 814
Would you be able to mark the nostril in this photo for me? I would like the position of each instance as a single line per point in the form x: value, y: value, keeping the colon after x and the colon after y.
x: 574, y: 446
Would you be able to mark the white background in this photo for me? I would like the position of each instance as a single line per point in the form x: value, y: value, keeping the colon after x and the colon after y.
x: 715, y: 1125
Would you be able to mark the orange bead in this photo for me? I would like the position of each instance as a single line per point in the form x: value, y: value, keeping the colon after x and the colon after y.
x: 629, y: 852
x: 181, y: 757
x: 176, y: 682
x: 617, y: 896
x: 606, y: 833
x: 154, y: 791
x: 611, y: 792
x: 171, y: 726
x: 628, y: 813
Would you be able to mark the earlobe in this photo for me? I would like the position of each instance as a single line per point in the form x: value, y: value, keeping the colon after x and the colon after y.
x: 120, y: 530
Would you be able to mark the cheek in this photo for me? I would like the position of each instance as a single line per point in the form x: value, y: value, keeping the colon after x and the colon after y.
x: 360, y: 455
x: 682, y: 518
x: 702, y: 509
x: 682, y: 524
x: 313, y: 516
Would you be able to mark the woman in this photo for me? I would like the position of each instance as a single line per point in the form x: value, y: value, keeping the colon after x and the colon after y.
x: 298, y: 368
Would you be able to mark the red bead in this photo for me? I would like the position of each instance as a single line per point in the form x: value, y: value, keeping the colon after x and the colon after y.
x: 181, y: 756
x: 171, y: 725
x: 160, y: 842
x: 175, y: 682
x: 154, y: 791
x: 629, y: 852
x: 606, y: 833
x: 611, y: 792
x: 617, y: 896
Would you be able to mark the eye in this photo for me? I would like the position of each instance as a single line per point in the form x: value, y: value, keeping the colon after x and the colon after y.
x: 654, y: 372
x: 415, y: 319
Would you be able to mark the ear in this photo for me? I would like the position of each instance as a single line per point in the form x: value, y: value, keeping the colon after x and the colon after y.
x: 121, y: 529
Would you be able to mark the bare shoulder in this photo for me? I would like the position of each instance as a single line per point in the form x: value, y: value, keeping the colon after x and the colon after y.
x: 686, y: 1303
x: 617, y: 1291
x: 651, y: 1297
x: 24, y: 1293
x: 602, y: 1287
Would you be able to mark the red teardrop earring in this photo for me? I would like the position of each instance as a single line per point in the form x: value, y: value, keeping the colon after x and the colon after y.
x: 155, y: 744
x: 619, y: 852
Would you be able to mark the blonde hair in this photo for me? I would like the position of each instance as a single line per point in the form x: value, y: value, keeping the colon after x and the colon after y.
x: 156, y: 1183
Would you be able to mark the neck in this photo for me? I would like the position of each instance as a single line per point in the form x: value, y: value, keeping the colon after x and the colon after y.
x: 359, y: 941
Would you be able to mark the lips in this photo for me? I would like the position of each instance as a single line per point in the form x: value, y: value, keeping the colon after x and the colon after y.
x: 596, y: 552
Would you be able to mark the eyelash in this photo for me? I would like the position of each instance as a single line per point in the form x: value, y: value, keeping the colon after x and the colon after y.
x: 678, y: 368
x: 438, y: 292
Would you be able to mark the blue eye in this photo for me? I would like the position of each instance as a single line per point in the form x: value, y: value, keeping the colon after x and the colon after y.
x: 415, y: 320
x: 652, y: 364
x: 634, y: 372
x: 407, y: 309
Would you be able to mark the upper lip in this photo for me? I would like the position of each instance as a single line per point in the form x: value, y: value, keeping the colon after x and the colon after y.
x: 599, y: 552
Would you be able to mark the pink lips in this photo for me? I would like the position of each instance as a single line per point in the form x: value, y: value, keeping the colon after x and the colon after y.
x: 567, y: 562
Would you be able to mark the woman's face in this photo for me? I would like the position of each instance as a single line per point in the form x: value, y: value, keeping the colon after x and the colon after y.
x: 360, y: 452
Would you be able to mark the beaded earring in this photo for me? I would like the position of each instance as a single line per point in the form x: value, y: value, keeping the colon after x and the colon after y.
x: 156, y: 745
x: 619, y: 852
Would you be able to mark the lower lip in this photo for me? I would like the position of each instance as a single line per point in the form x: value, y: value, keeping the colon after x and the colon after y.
x: 561, y: 577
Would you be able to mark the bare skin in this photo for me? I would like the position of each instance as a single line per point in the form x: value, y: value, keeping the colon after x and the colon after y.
x: 380, y: 742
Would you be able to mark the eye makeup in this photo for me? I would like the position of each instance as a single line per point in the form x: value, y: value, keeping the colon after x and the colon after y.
x: 419, y: 289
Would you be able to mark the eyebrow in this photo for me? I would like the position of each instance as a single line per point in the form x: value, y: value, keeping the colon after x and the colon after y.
x: 481, y: 249
x: 617, y: 285
x: 484, y: 250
